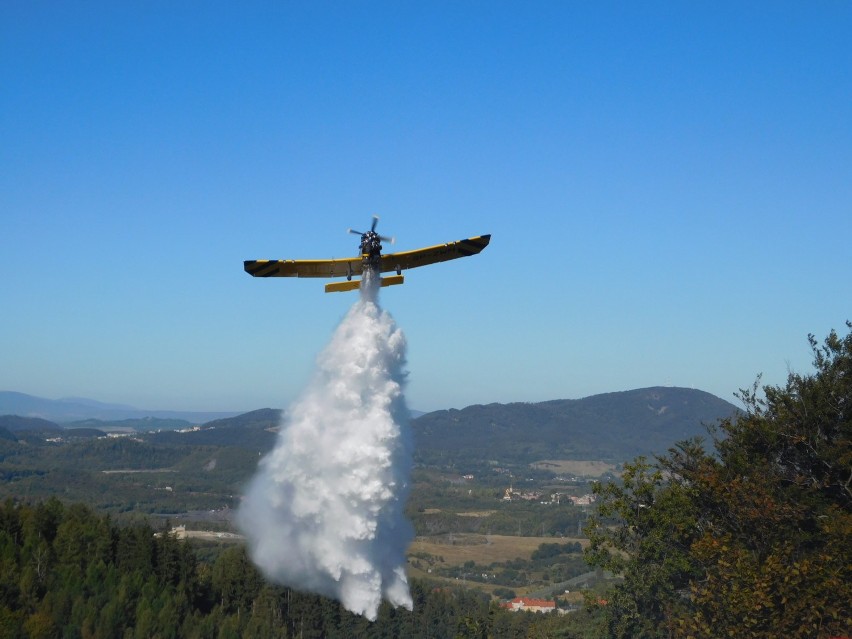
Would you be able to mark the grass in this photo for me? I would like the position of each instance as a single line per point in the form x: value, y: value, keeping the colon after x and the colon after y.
x: 456, y: 549
x: 575, y: 467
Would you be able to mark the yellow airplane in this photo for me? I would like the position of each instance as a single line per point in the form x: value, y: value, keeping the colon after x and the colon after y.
x: 370, y: 260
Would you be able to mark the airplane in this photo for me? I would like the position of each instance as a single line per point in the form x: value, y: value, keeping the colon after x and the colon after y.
x: 370, y: 263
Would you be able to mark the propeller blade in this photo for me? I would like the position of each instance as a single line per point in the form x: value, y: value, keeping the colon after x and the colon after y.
x: 373, y: 230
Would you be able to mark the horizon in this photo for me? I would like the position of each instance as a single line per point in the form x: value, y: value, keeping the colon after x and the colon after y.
x: 98, y: 405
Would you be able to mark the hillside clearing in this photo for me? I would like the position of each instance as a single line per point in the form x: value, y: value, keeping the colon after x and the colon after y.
x: 481, y: 549
x: 577, y: 468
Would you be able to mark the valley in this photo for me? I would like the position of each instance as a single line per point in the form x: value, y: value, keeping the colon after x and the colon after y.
x: 478, y: 520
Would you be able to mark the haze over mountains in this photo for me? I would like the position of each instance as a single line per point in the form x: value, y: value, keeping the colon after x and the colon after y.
x: 614, y: 426
x: 72, y: 409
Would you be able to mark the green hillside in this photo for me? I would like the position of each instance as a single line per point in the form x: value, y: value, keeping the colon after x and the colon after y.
x: 611, y: 426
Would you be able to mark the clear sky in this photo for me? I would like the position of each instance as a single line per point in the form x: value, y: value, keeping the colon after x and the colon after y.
x: 668, y: 186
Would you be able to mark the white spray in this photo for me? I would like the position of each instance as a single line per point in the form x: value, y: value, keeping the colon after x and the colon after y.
x: 325, y: 510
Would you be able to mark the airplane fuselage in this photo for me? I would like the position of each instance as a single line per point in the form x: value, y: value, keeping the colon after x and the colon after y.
x: 371, y: 251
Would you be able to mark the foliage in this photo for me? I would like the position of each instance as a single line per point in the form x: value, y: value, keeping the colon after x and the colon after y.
x: 549, y: 551
x: 68, y: 572
x: 752, y: 540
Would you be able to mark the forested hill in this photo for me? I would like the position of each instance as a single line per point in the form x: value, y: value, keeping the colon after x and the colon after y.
x: 255, y: 430
x: 612, y: 426
x: 16, y: 423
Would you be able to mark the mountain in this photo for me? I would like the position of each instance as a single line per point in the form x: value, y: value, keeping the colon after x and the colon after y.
x: 263, y: 419
x: 93, y: 403
x: 78, y: 409
x: 254, y: 431
x: 14, y: 423
x: 612, y: 426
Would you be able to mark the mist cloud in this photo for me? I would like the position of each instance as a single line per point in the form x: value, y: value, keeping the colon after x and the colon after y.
x: 324, y: 512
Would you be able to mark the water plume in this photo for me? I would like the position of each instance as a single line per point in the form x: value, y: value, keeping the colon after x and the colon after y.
x: 324, y: 511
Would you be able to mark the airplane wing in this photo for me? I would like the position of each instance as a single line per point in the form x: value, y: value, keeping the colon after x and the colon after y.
x: 433, y: 254
x: 354, y: 265
x: 304, y: 268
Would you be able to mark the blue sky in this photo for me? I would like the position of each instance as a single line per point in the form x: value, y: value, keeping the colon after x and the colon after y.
x: 668, y: 186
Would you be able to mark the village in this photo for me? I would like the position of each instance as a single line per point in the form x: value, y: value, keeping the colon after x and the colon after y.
x: 555, y: 498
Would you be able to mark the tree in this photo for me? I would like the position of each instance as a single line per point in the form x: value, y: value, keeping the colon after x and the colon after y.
x: 39, y: 625
x: 649, y: 546
x: 751, y: 540
x: 235, y: 580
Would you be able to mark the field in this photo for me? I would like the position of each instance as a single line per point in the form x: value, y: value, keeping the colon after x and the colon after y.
x: 481, y: 549
x: 433, y: 557
x: 576, y: 468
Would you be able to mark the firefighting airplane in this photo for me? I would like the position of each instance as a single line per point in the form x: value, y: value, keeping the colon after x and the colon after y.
x: 371, y: 261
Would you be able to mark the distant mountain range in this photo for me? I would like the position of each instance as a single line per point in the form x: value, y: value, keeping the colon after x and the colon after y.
x: 610, y: 426
x: 74, y: 409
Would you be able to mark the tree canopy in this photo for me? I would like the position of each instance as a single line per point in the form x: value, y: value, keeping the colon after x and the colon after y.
x: 749, y: 539
x: 66, y: 571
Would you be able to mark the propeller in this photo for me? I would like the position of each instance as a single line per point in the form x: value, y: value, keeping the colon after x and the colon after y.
x: 392, y: 240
